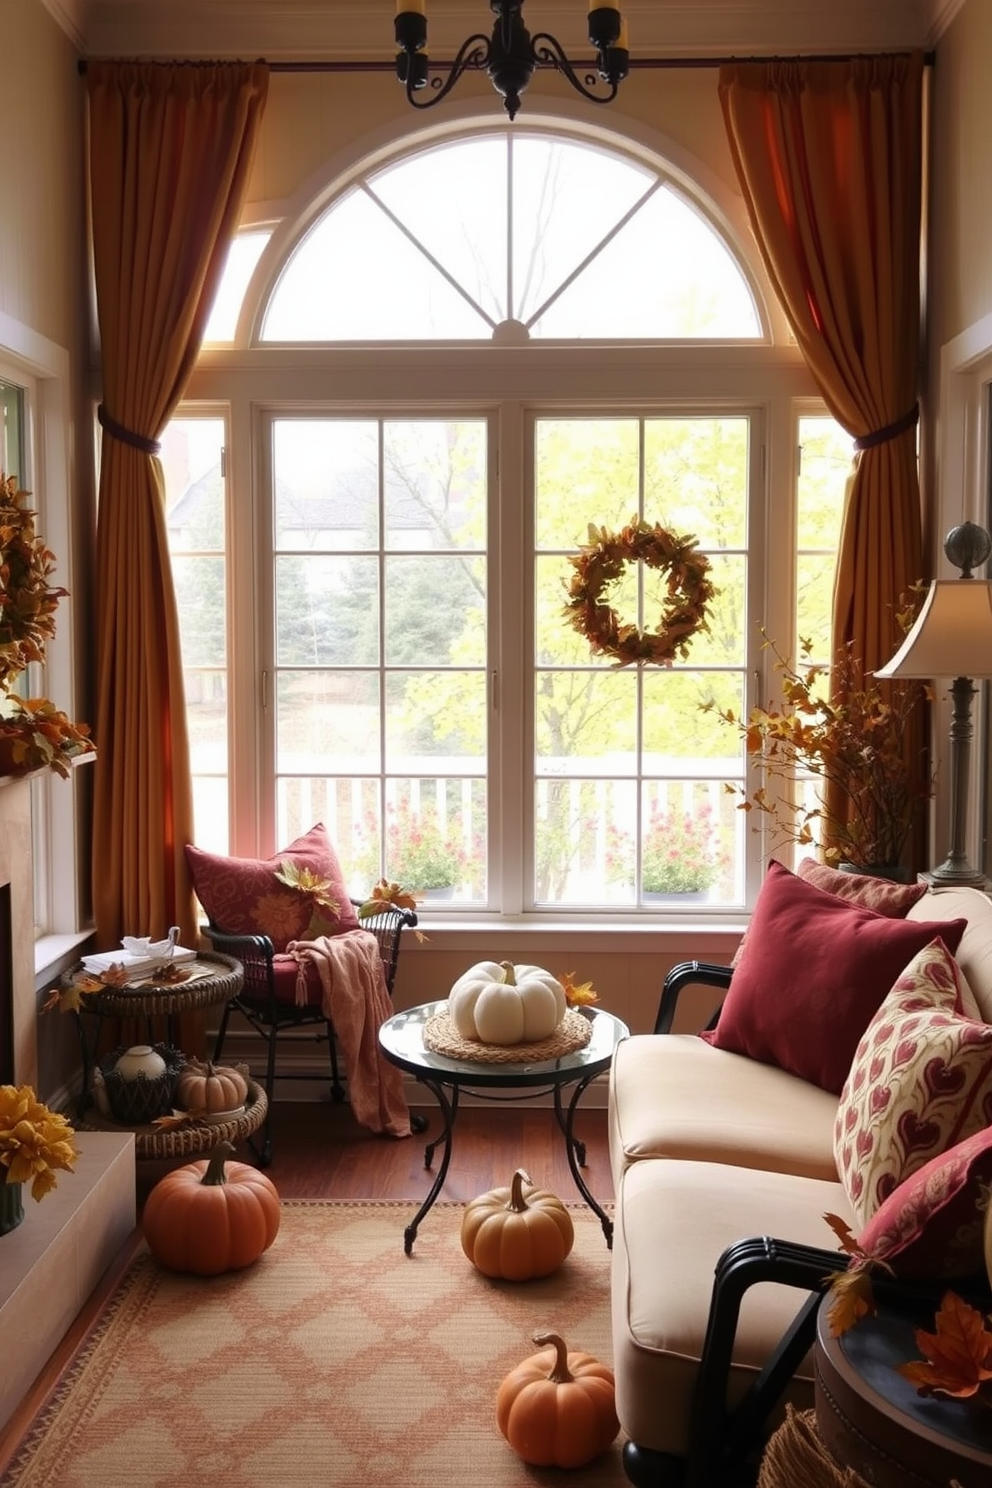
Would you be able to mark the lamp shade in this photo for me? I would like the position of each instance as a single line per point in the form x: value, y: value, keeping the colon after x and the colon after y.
x: 952, y: 634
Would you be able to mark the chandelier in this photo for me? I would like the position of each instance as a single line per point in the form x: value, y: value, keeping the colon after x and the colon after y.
x: 511, y: 55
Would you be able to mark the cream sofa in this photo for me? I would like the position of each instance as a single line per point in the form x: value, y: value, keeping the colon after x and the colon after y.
x: 711, y: 1151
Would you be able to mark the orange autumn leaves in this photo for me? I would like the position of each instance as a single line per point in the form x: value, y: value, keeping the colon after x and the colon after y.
x: 957, y: 1355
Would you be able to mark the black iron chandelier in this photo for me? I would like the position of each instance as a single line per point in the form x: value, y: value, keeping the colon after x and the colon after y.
x: 511, y: 55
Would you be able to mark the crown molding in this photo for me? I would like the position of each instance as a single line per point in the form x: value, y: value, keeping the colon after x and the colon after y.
x: 939, y: 15
x: 349, y: 29
x: 70, y: 16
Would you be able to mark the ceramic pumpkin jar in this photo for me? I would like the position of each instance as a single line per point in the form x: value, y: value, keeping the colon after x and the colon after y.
x: 500, y: 1003
x: 517, y: 1233
x: 558, y: 1409
x: 211, y: 1216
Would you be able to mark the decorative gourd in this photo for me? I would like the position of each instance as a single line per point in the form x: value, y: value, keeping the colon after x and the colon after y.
x: 517, y: 1233
x: 209, y: 1088
x: 207, y: 1217
x: 499, y: 1003
x: 558, y: 1409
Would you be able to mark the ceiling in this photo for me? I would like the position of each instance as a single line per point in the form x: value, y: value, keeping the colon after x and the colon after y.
x: 351, y: 29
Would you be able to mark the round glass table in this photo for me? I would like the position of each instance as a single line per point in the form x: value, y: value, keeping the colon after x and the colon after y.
x: 401, y: 1039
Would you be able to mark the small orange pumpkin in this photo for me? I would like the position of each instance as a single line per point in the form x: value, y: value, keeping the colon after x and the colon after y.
x: 207, y: 1217
x: 558, y: 1409
x: 206, y: 1089
x: 517, y: 1233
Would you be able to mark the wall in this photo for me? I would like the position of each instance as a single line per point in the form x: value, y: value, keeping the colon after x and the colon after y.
x: 43, y: 291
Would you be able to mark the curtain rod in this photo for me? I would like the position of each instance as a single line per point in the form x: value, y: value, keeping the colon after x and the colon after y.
x: 389, y: 65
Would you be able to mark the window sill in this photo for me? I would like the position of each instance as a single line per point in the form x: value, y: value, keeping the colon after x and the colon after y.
x: 54, y: 954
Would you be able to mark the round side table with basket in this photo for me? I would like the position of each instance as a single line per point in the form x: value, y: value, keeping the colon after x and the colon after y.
x: 214, y: 979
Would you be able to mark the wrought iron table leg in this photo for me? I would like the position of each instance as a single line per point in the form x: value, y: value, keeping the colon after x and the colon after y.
x: 571, y: 1147
x: 449, y: 1110
x: 573, y: 1142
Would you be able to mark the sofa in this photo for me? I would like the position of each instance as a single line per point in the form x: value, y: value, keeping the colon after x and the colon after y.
x: 725, y: 1163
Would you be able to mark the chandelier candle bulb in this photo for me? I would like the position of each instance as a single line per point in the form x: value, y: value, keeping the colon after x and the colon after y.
x: 406, y: 7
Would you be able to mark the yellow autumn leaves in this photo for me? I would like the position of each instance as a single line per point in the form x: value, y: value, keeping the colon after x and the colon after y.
x: 34, y: 1141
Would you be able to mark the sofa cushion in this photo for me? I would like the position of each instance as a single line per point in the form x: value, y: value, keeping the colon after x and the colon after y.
x: 673, y: 1222
x: 243, y: 896
x: 920, y: 1082
x: 894, y: 900
x: 671, y: 1095
x: 932, y: 1224
x: 813, y: 972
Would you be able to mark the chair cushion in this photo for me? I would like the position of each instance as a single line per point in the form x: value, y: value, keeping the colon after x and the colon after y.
x: 671, y: 1095
x: 813, y: 972
x: 243, y: 896
x: 673, y: 1222
x: 933, y: 1223
x: 920, y: 1082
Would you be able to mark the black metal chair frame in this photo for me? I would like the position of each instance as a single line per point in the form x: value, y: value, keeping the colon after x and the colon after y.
x: 724, y: 1445
x: 271, y: 1016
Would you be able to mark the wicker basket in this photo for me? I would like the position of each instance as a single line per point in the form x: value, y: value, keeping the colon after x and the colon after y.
x: 135, y: 1102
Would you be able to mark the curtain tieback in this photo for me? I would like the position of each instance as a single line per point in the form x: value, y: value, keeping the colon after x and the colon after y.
x: 891, y: 431
x: 126, y: 436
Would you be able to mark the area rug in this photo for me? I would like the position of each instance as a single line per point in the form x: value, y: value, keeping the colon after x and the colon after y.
x: 335, y: 1361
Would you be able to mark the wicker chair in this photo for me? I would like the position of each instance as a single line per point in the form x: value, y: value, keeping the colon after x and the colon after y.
x: 267, y: 1001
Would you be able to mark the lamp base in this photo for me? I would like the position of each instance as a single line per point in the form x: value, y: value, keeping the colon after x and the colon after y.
x: 954, y: 876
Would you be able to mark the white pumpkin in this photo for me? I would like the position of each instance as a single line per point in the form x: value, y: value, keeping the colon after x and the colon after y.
x: 499, y: 1003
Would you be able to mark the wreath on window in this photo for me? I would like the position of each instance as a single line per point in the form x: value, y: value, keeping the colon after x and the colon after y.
x: 602, y: 560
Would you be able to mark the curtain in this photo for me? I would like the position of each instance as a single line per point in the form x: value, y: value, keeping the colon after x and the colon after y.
x: 170, y: 151
x: 829, y: 156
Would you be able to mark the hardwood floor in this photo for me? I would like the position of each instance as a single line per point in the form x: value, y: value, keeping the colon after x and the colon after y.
x: 321, y: 1152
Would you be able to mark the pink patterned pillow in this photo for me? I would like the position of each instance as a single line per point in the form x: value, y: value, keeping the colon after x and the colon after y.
x: 243, y: 896
x: 932, y: 1224
x: 920, y: 1082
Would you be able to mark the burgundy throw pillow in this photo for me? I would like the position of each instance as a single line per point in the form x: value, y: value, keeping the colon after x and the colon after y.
x: 243, y: 896
x: 932, y: 1224
x: 813, y: 972
x: 886, y: 898
x: 879, y: 894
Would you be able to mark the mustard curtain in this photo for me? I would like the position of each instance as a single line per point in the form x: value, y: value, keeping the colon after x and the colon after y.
x: 829, y: 156
x: 170, y: 150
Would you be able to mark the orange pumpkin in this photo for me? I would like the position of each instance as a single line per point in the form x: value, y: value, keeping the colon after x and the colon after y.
x: 210, y: 1088
x: 557, y: 1409
x: 517, y: 1233
x: 207, y: 1217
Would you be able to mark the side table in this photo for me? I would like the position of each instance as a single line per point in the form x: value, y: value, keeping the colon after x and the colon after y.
x: 192, y: 1138
x: 150, y: 1001
x: 872, y: 1420
x: 401, y: 1039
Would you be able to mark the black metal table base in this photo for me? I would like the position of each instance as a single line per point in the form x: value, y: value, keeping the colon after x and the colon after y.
x: 565, y: 1118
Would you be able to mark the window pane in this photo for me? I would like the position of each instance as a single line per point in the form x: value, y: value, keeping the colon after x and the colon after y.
x: 586, y: 472
x: 192, y: 462
x: 695, y: 478
x: 434, y: 614
x: 435, y: 484
x: 825, y: 467
x: 326, y: 484
x: 435, y: 715
x: 346, y: 807
x: 327, y: 611
x: 242, y: 261
x: 327, y: 720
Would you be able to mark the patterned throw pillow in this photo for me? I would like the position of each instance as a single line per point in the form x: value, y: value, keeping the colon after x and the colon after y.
x: 933, y: 1223
x: 243, y: 896
x: 920, y: 1082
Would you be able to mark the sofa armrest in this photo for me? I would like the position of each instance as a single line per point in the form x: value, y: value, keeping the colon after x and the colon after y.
x: 702, y: 973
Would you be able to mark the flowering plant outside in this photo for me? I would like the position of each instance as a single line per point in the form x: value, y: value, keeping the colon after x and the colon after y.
x: 854, y: 744
x: 681, y: 851
x: 34, y: 1141
x: 419, y: 854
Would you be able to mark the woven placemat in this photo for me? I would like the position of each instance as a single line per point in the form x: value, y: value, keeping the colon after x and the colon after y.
x: 573, y: 1032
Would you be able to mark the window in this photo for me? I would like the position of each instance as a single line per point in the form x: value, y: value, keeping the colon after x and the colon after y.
x: 396, y: 661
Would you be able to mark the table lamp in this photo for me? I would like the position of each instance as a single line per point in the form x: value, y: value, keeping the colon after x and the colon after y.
x: 952, y: 637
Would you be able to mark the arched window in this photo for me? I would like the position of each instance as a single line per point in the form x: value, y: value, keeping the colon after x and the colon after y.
x: 457, y: 361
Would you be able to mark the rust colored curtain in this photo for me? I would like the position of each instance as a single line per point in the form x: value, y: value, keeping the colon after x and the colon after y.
x: 829, y: 156
x: 170, y: 150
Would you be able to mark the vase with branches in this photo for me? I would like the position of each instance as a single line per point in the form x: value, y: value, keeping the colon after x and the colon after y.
x: 845, y: 732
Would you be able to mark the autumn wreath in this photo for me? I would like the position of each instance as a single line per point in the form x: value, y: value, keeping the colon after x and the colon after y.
x: 684, y: 612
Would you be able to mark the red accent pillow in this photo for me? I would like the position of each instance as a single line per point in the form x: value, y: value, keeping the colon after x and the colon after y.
x: 932, y: 1224
x: 813, y: 972
x: 886, y: 898
x: 894, y: 900
x: 243, y: 896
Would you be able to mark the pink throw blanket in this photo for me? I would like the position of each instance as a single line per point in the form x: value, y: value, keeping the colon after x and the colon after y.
x: 357, y: 1003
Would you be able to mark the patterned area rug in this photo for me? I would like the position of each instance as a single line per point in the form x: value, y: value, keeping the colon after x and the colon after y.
x: 335, y: 1360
